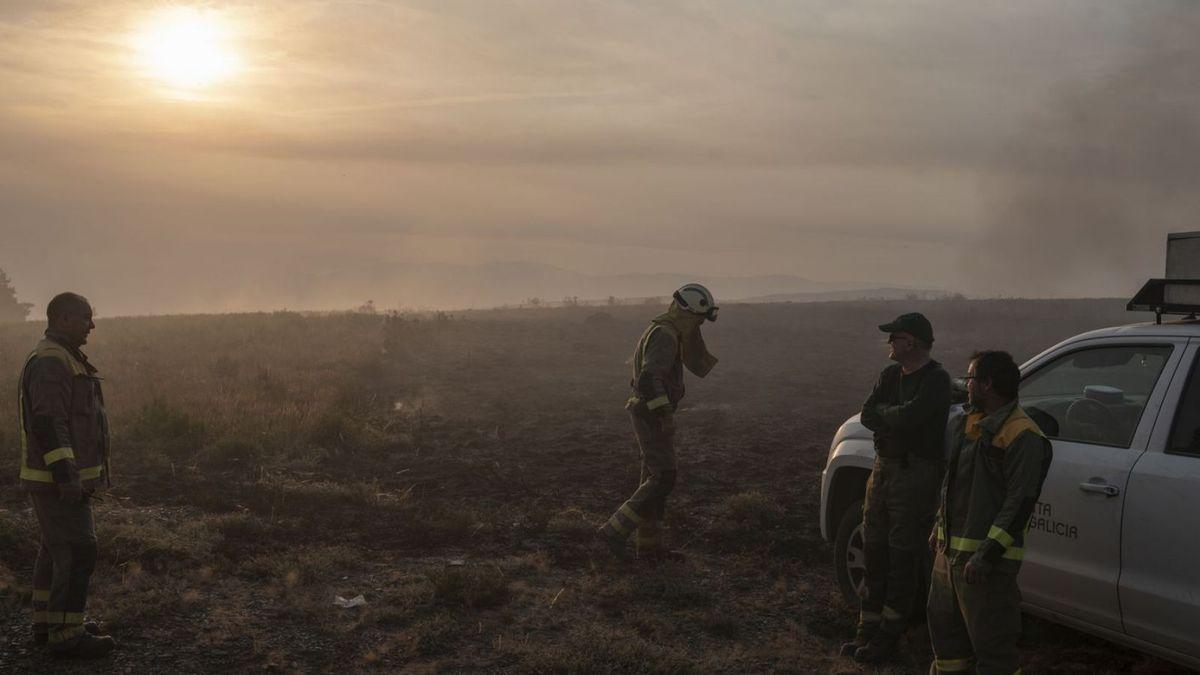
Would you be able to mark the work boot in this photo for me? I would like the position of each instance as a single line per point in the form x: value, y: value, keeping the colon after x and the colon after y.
x: 85, y: 646
x: 92, y: 627
x: 851, y: 648
x: 878, y: 650
x: 861, y: 639
x: 615, y: 545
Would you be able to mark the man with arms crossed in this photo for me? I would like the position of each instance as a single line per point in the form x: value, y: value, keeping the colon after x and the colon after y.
x: 907, y: 410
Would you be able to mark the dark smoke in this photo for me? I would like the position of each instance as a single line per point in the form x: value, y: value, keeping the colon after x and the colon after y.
x: 1097, y: 181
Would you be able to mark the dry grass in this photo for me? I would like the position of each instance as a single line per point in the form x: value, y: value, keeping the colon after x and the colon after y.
x: 453, y: 471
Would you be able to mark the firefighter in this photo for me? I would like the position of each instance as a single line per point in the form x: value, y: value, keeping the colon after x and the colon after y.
x: 994, y: 480
x: 671, y: 343
x: 908, y: 410
x: 64, y: 460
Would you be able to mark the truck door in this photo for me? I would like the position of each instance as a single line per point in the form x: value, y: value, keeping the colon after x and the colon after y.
x: 1103, y: 396
x: 1160, y: 547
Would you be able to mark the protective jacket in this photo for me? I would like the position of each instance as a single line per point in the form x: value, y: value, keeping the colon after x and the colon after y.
x: 657, y: 368
x: 64, y: 428
x: 993, y: 481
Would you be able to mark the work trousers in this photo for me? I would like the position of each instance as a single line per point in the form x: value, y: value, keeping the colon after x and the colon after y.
x: 65, y: 561
x: 898, y: 514
x: 643, y: 512
x: 973, y: 627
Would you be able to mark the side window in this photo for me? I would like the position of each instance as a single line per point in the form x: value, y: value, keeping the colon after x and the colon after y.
x: 1185, y: 433
x: 1096, y: 395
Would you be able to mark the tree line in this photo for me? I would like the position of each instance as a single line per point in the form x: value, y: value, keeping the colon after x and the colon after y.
x: 11, y: 309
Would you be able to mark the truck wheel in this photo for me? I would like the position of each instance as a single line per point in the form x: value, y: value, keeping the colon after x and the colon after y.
x: 849, y: 556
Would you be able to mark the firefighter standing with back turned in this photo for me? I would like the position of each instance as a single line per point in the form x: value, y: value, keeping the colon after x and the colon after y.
x: 64, y: 459
x: 671, y: 343
x: 993, y: 482
x: 908, y: 411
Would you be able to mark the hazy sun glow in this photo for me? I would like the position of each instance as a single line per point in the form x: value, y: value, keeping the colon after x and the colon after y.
x: 186, y: 48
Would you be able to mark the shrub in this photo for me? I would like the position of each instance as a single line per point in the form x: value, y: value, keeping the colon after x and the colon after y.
x: 159, y: 426
x: 18, y: 540
x: 470, y: 587
x: 308, y: 565
x: 155, y: 544
x: 229, y: 453
x: 745, y: 521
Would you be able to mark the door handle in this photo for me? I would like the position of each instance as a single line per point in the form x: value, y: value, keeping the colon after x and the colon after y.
x: 1102, y: 488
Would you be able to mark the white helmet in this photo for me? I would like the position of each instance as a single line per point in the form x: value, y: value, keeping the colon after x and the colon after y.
x: 697, y: 300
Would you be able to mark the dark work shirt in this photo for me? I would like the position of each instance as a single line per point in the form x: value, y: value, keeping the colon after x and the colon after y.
x: 908, y: 413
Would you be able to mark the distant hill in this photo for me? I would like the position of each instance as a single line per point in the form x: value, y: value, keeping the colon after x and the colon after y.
x: 234, y: 287
x: 882, y: 293
x: 495, y: 284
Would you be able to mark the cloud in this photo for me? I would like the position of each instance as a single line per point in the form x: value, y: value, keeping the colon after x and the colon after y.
x: 826, y: 139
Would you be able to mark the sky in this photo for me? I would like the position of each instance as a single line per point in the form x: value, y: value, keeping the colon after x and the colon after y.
x: 1017, y: 148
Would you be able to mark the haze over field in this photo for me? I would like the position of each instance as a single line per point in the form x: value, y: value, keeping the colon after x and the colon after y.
x: 210, y: 156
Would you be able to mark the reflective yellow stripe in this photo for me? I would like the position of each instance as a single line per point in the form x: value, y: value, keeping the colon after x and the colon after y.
x: 869, y: 617
x: 965, y: 544
x: 64, y: 634
x: 639, y: 359
x: 1001, y: 536
x: 952, y: 665
x: 630, y: 513
x: 658, y: 403
x: 616, y: 524
x: 67, y: 618
x: 53, y: 456
x: 40, y: 476
x: 1014, y: 554
x: 40, y: 595
x: 891, y: 614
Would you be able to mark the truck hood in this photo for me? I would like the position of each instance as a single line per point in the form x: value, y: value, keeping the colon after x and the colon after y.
x: 852, y: 428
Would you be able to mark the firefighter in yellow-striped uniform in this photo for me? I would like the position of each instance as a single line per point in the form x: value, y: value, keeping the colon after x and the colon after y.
x: 993, y: 481
x: 64, y: 458
x: 671, y: 343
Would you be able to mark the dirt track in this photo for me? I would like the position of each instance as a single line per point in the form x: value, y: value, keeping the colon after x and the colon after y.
x: 453, y: 472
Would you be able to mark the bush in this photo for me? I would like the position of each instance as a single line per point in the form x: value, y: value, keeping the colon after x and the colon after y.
x: 154, y: 544
x: 746, y: 521
x: 307, y: 566
x: 229, y: 453
x: 470, y: 587
x: 336, y: 432
x: 165, y: 429
x: 18, y: 541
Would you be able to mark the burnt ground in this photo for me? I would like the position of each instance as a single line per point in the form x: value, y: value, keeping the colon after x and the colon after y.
x: 452, y: 469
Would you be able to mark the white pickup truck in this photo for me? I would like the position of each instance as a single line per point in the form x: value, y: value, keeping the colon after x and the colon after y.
x: 1113, y: 547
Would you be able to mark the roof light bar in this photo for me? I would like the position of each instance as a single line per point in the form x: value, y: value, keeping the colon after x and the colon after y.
x: 1179, y: 292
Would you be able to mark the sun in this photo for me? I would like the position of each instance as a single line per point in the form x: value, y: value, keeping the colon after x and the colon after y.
x: 186, y: 48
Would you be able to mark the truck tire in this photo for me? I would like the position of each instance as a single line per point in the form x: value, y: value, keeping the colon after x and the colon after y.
x: 849, y: 559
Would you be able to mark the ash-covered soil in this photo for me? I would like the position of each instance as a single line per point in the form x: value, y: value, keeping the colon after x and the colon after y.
x: 453, y: 469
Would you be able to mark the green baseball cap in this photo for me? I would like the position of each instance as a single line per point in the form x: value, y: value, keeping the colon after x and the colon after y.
x: 913, y: 323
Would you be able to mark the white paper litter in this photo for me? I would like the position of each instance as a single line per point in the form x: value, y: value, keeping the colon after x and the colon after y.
x: 356, y: 601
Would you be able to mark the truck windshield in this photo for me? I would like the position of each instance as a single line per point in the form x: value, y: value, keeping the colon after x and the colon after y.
x: 1097, y: 395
